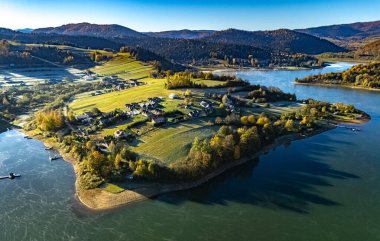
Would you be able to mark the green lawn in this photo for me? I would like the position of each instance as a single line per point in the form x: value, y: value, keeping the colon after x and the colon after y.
x: 121, y: 126
x: 209, y: 83
x: 112, y: 188
x: 172, y: 143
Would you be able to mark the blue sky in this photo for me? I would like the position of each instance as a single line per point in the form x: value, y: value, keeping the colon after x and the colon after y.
x: 158, y: 15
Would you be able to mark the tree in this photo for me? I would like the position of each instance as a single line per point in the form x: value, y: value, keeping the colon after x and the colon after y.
x: 289, y: 126
x: 262, y: 120
x: 244, y: 120
x: 218, y: 120
x: 5, y: 101
x: 4, y: 47
x: 225, y: 99
x: 208, y: 76
x: 90, y: 145
x: 141, y: 168
x: 118, y: 161
x: 251, y: 119
x: 70, y: 116
x: 95, y: 162
x: 188, y: 93
x: 50, y: 120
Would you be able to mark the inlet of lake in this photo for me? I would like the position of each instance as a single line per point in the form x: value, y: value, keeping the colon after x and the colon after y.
x: 326, y: 187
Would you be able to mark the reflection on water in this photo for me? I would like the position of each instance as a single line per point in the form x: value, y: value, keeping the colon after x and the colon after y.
x: 321, y: 188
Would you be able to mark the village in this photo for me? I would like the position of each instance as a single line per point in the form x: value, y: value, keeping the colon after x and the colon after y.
x: 150, y: 112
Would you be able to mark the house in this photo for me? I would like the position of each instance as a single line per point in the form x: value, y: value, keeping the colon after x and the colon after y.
x: 132, y: 106
x: 157, y: 112
x: 88, y: 77
x: 194, y: 113
x: 119, y: 134
x: 86, y: 117
x: 208, y: 110
x: 146, y: 113
x: 173, y: 96
x: 205, y: 104
x: 158, y: 120
x: 104, y: 122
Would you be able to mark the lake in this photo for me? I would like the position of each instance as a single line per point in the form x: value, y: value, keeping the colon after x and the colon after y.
x: 322, y: 188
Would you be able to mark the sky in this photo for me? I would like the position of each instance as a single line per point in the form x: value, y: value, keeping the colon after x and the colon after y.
x: 160, y: 15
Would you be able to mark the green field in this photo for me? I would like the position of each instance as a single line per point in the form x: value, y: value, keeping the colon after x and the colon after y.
x: 111, y: 101
x: 124, y: 66
x: 172, y: 143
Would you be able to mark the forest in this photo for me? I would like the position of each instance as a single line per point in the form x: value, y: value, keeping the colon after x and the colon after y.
x: 361, y: 75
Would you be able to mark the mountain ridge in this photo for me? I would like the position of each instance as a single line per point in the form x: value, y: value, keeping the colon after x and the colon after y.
x: 94, y: 30
x: 357, y: 30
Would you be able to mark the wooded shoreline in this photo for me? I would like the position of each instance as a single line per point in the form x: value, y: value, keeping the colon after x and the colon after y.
x: 99, y: 199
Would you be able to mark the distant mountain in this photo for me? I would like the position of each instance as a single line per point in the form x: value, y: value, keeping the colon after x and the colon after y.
x: 5, y: 31
x: 181, y: 34
x: 93, y: 30
x: 25, y: 30
x: 282, y: 39
x: 358, y: 30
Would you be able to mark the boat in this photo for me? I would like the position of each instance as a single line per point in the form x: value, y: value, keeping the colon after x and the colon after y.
x: 54, y: 158
x: 10, y: 176
x: 13, y: 176
x: 28, y: 137
x: 48, y: 148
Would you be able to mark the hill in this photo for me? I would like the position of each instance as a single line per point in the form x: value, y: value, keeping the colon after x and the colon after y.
x: 282, y: 39
x: 359, y: 30
x: 5, y: 31
x: 182, y: 34
x: 94, y: 30
x: 364, y: 76
x: 370, y: 50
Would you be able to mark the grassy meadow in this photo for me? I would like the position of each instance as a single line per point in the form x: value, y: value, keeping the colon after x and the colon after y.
x: 172, y: 143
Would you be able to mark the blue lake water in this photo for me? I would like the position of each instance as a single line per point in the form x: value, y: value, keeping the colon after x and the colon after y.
x: 322, y: 188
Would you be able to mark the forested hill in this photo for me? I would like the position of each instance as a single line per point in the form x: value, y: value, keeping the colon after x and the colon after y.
x: 94, y: 30
x: 359, y: 30
x: 187, y: 50
x: 223, y: 48
x: 282, y: 39
x: 5, y: 31
x: 76, y: 41
x: 367, y: 76
x: 182, y: 34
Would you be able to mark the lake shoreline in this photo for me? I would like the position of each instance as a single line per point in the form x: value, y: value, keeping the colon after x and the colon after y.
x: 232, y: 70
x: 99, y: 199
x: 340, y: 86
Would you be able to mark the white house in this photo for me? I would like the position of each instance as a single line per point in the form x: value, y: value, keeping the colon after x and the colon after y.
x: 173, y: 96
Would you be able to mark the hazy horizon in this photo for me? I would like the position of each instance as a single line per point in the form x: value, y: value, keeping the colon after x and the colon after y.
x: 165, y: 15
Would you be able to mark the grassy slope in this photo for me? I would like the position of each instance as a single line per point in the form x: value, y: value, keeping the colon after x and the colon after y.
x: 111, y: 101
x: 124, y: 66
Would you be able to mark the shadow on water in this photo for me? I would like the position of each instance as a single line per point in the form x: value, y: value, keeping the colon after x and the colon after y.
x: 289, y: 178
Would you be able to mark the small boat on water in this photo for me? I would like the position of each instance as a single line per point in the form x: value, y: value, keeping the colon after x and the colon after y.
x: 48, y: 148
x: 28, y: 137
x: 54, y: 158
x: 10, y: 176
